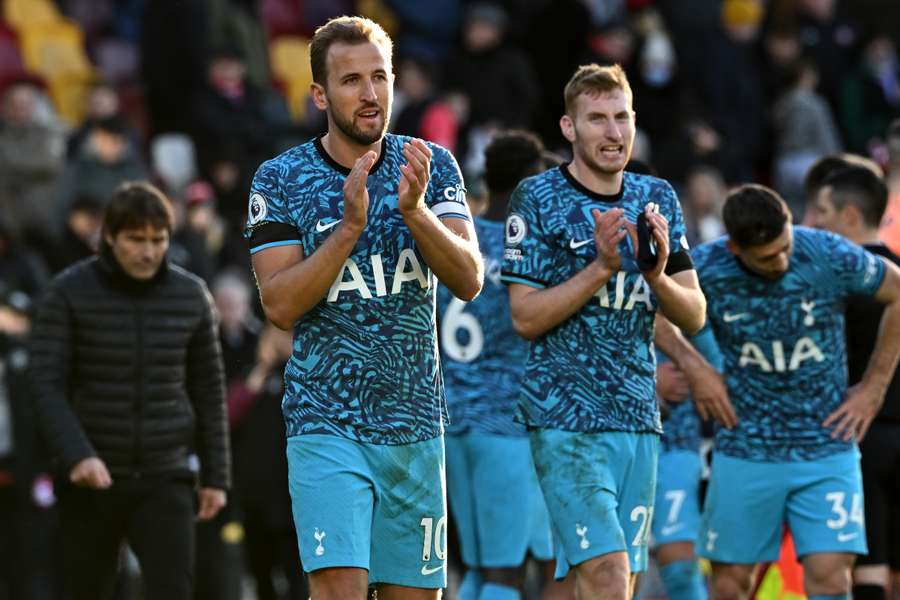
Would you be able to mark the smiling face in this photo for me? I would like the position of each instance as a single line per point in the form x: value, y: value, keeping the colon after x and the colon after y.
x: 601, y: 130
x: 358, y: 92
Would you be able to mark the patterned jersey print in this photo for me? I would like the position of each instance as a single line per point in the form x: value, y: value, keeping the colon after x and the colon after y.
x: 482, y: 356
x: 596, y: 371
x: 365, y: 358
x: 783, y: 342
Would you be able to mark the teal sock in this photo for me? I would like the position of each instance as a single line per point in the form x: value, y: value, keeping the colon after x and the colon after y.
x: 830, y: 597
x: 496, y: 591
x: 470, y: 586
x: 683, y: 580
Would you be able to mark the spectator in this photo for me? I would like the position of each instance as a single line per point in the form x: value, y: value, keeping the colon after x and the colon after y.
x: 804, y: 131
x: 124, y: 451
x: 265, y: 504
x: 890, y: 224
x: 102, y: 103
x: 229, y: 111
x: 81, y: 236
x: 871, y: 96
x: 105, y: 160
x: 830, y: 39
x: 31, y: 160
x: 496, y: 78
x: 198, y: 240
x: 703, y: 200
x: 424, y: 114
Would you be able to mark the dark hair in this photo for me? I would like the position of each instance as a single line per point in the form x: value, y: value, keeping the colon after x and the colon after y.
x: 135, y: 205
x: 861, y: 187
x: 349, y: 30
x: 113, y: 124
x: 825, y: 166
x: 818, y: 172
x: 511, y: 156
x: 754, y: 215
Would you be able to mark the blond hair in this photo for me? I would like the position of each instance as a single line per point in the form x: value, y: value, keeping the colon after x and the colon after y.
x: 594, y: 79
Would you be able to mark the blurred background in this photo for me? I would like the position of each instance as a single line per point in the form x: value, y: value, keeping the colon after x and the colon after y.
x: 194, y: 94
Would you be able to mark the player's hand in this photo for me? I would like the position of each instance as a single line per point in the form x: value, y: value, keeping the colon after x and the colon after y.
x: 356, y: 196
x: 671, y: 384
x: 851, y: 420
x: 211, y: 501
x: 711, y: 395
x: 92, y: 473
x: 659, y: 230
x: 609, y: 230
x: 414, y: 176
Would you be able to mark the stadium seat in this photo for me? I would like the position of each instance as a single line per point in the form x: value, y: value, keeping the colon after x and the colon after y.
x: 22, y: 14
x: 280, y: 17
x: 289, y: 56
x: 55, y: 52
x: 11, y: 64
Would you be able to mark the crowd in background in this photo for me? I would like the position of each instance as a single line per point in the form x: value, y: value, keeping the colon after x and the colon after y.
x: 194, y: 94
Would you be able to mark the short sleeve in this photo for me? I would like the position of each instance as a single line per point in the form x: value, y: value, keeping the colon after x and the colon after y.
x: 679, y: 257
x: 268, y: 222
x: 528, y: 250
x: 446, y: 191
x: 857, y: 271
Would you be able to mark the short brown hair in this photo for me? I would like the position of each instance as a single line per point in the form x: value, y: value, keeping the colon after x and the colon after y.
x: 349, y: 30
x: 134, y: 205
x: 594, y: 79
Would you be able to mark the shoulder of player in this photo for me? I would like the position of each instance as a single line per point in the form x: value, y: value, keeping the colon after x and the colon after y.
x: 650, y: 184
x: 708, y: 254
x: 818, y: 241
x: 288, y: 160
x: 883, y: 251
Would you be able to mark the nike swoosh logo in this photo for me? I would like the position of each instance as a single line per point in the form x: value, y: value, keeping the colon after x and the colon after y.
x: 671, y: 529
x: 320, y: 227
x: 846, y: 537
x: 730, y: 318
x: 576, y: 245
x: 427, y: 571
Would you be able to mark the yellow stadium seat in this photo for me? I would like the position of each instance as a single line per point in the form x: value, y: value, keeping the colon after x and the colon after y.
x: 55, y: 52
x: 289, y: 58
x: 24, y: 14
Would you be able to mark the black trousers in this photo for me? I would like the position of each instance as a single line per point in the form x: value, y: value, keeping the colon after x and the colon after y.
x: 155, y: 516
x: 881, y: 488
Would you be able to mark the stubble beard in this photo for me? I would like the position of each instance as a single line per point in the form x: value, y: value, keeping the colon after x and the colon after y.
x: 358, y: 135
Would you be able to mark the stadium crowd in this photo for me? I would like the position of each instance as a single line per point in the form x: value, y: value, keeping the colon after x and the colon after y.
x: 194, y: 95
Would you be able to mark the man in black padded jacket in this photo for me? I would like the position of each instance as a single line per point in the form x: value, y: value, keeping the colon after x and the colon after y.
x: 851, y: 202
x: 127, y: 374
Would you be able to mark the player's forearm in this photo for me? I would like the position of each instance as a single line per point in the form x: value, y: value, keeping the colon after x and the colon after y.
x: 677, y: 347
x: 883, y: 361
x: 684, y: 306
x: 536, y: 312
x: 291, y: 293
x: 455, y: 261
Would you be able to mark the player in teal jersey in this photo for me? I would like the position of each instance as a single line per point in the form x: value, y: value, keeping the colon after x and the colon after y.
x: 576, y: 291
x: 676, y: 520
x: 493, y: 490
x: 347, y: 234
x: 776, y: 306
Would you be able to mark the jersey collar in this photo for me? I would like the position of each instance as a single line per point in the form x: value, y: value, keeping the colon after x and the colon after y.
x: 341, y: 168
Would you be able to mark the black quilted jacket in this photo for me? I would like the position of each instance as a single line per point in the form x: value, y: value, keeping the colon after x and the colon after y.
x: 131, y: 371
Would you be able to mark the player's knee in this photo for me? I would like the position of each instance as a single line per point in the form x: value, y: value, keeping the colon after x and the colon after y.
x: 513, y: 577
x: 338, y: 584
x: 730, y: 585
x: 606, y: 576
x: 827, y: 578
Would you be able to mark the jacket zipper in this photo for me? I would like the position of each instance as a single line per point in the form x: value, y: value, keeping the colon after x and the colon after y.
x: 138, y: 390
